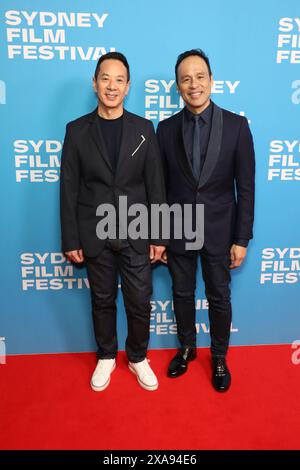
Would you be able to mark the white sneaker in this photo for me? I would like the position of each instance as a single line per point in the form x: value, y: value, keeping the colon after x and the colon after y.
x: 101, y: 376
x: 145, y: 375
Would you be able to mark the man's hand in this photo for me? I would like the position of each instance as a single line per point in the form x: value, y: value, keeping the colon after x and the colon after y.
x: 75, y: 256
x: 237, y: 256
x: 156, y: 253
x: 164, y: 257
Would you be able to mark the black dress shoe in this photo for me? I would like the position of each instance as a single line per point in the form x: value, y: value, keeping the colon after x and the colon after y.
x: 179, y: 363
x: 221, y: 378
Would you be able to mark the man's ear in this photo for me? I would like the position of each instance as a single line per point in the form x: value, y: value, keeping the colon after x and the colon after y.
x: 127, y: 88
x: 94, y: 84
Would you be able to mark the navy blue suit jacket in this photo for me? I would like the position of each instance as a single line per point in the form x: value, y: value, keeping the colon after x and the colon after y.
x: 226, y: 184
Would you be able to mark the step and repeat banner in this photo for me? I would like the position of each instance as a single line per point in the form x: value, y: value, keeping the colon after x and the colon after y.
x: 48, y: 53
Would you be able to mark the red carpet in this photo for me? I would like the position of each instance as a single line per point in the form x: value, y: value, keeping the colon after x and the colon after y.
x: 46, y: 403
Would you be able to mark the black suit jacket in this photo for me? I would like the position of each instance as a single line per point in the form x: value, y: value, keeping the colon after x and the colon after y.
x: 87, y: 178
x: 226, y: 185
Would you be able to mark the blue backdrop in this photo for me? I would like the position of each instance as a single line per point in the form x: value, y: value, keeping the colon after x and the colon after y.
x: 48, y: 55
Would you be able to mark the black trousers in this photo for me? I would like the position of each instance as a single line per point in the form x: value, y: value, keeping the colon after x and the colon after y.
x: 118, y: 257
x: 216, y: 276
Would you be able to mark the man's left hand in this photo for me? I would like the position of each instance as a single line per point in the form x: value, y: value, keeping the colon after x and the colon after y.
x: 237, y: 256
x: 156, y: 252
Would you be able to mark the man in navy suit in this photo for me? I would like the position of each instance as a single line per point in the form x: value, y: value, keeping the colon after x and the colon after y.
x: 108, y: 154
x: 209, y: 159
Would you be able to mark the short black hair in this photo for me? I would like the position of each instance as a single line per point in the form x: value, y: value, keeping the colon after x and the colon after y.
x: 196, y: 52
x: 116, y: 56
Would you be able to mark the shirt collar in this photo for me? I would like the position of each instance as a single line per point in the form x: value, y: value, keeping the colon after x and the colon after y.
x: 205, y: 115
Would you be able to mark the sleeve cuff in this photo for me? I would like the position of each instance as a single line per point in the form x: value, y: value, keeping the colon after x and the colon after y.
x: 241, y: 242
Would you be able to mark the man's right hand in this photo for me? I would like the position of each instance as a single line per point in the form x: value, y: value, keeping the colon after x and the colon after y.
x: 75, y: 256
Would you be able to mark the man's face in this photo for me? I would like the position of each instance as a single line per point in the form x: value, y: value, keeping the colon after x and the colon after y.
x: 111, y: 84
x: 194, y: 83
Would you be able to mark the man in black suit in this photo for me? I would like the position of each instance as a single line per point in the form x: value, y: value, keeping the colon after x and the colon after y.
x: 107, y: 154
x: 209, y: 159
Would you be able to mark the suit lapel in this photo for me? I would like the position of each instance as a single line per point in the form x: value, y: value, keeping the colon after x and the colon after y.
x: 214, y: 146
x: 128, y: 140
x: 97, y: 136
x: 181, y: 153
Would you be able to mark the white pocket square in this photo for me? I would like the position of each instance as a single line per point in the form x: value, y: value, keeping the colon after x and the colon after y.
x: 141, y: 143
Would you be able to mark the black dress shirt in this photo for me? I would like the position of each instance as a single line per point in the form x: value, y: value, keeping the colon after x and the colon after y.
x: 205, y: 128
